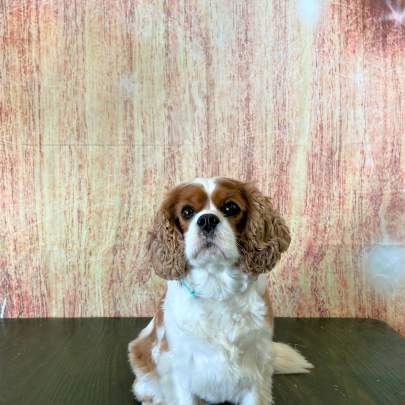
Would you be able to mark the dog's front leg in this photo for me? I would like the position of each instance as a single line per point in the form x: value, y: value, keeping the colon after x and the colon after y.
x: 260, y: 393
x: 176, y: 391
x: 257, y: 396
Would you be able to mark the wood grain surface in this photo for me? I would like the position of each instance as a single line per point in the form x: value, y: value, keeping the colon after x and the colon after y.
x: 104, y: 104
x: 84, y: 361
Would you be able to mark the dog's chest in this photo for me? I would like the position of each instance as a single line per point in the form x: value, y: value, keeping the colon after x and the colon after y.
x: 218, y: 343
x: 230, y: 321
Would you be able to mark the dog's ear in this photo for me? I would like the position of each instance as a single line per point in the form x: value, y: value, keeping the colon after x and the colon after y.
x: 265, y: 236
x: 165, y: 241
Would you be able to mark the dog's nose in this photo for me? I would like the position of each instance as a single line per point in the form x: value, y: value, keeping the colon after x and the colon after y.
x: 208, y: 222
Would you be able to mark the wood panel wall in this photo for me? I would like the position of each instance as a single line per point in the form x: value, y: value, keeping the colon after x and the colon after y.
x: 104, y: 104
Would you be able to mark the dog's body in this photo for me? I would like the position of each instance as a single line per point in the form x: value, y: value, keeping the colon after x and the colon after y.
x: 211, y: 338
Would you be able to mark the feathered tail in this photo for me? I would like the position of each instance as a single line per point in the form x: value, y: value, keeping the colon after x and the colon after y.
x: 287, y: 360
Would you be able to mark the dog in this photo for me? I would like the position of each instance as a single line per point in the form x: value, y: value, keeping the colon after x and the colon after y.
x: 211, y: 337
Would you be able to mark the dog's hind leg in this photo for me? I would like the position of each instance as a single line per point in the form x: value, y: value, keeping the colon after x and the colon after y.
x: 143, y: 353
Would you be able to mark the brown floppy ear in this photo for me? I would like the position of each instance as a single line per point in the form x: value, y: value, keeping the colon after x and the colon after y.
x: 265, y: 236
x: 165, y: 242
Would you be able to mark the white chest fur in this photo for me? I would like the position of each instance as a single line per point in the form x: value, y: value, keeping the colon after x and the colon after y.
x: 218, y: 346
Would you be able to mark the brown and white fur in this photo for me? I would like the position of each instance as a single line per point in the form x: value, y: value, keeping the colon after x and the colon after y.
x: 211, y: 338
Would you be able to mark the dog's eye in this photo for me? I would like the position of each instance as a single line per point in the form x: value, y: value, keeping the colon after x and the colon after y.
x: 230, y: 209
x: 187, y: 212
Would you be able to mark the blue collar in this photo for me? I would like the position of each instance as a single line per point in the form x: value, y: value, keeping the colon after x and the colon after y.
x: 192, y: 292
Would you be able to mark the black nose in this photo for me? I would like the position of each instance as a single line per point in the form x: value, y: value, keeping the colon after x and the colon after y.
x: 208, y: 222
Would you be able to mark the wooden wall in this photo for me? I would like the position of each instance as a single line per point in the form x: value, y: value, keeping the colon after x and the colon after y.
x: 105, y: 103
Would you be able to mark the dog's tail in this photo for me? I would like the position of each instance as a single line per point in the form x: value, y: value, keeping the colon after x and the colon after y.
x: 287, y: 360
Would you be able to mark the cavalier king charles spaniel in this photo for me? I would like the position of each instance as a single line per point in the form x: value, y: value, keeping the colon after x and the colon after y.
x: 211, y: 337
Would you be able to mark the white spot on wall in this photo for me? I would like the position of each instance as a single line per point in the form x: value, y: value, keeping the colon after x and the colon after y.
x: 3, y: 308
x: 309, y: 11
x: 385, y: 267
x: 129, y: 85
x: 396, y: 12
x: 359, y: 78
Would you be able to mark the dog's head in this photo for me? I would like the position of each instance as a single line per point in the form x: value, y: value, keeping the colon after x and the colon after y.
x: 217, y: 220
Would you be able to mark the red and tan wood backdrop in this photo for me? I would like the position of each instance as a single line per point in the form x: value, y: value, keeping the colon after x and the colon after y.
x: 103, y: 104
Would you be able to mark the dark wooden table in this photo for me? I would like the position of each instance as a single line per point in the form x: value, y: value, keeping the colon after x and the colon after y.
x: 84, y: 361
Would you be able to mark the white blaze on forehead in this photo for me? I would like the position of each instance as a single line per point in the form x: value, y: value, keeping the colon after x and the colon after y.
x: 209, y: 185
